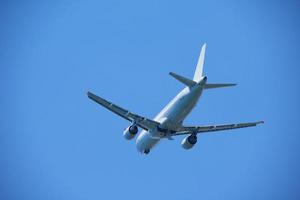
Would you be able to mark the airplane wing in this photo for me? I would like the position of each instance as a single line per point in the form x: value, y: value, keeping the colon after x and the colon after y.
x: 140, y: 121
x: 184, y: 130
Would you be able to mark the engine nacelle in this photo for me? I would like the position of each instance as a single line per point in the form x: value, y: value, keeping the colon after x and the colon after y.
x: 189, y: 141
x: 130, y: 132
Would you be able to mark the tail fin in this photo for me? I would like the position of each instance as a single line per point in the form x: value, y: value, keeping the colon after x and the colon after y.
x: 199, y: 69
x: 199, y: 78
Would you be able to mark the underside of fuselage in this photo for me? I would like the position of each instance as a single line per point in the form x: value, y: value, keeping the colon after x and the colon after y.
x: 173, y: 114
x: 145, y: 142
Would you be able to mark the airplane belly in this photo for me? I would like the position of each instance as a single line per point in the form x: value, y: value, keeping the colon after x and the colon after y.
x: 170, y: 117
x: 183, y: 107
x: 145, y: 141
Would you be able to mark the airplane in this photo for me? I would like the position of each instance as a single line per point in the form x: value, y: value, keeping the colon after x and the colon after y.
x: 169, y: 122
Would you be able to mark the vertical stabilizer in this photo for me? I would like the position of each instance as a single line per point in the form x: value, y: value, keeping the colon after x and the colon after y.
x: 199, y: 68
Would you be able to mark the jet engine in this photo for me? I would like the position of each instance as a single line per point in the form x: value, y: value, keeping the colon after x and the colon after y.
x: 130, y: 132
x: 189, y: 141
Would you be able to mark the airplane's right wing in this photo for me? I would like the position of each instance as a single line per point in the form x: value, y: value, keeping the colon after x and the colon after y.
x: 142, y: 122
x: 184, y: 130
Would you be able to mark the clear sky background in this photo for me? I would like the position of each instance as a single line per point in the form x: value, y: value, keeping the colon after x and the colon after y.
x: 57, y: 144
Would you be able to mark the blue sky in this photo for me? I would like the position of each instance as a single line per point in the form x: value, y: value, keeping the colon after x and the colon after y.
x: 57, y: 144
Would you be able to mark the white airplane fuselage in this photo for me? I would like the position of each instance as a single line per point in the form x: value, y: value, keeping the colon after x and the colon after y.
x: 171, y: 117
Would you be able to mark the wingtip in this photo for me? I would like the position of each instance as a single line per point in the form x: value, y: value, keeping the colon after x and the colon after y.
x: 232, y: 84
x: 89, y: 94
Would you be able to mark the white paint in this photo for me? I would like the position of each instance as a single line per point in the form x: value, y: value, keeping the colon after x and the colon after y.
x: 172, y: 115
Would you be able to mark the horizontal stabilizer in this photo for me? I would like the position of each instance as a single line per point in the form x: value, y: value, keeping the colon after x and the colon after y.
x: 217, y: 85
x: 186, y: 81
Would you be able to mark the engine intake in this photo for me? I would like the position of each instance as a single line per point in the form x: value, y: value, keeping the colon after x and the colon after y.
x: 130, y: 132
x: 189, y: 141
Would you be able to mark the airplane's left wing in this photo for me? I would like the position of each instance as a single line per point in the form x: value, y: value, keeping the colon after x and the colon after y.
x: 142, y: 122
x: 184, y: 130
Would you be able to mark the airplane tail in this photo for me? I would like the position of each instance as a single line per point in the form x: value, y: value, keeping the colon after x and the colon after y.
x: 199, y: 69
x: 198, y: 75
